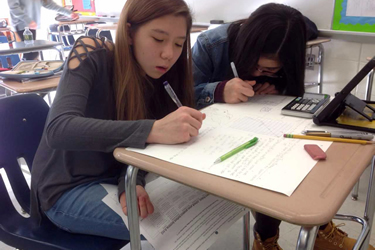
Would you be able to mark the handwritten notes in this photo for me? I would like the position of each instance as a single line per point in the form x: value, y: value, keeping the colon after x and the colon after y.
x: 184, y: 217
x: 274, y: 163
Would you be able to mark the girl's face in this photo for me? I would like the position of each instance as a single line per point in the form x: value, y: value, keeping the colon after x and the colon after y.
x: 158, y: 44
x: 266, y: 67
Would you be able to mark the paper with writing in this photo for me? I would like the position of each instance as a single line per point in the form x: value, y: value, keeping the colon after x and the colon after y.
x: 184, y: 218
x: 274, y: 163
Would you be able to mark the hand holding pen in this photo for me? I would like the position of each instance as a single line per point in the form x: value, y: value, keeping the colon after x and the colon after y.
x: 177, y: 127
x: 236, y: 90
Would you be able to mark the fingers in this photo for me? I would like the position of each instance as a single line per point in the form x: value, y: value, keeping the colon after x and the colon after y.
x: 243, y: 98
x: 150, y: 207
x: 251, y: 83
x: 142, y: 207
x: 257, y: 87
x: 194, y: 113
x: 123, y: 203
x: 265, y: 88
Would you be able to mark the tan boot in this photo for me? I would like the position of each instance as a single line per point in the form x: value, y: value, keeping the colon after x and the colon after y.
x: 268, y: 244
x: 332, y: 238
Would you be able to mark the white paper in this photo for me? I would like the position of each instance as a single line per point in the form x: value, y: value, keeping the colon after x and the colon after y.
x: 360, y: 8
x: 184, y: 218
x: 275, y: 163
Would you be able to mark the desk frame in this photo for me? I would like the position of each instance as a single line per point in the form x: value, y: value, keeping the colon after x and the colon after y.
x: 310, y: 45
x: 307, y: 233
x: 16, y: 51
x: 77, y: 31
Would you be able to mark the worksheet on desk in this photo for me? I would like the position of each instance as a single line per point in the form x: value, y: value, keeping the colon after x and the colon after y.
x: 275, y: 163
x: 184, y: 217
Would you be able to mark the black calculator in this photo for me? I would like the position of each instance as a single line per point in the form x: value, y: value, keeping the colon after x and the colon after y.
x: 307, y: 106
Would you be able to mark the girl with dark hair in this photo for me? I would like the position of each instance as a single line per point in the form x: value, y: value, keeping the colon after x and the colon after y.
x: 112, y: 96
x: 268, y: 50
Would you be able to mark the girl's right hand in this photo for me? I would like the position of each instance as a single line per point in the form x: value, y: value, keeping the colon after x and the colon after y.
x: 237, y: 90
x: 177, y: 127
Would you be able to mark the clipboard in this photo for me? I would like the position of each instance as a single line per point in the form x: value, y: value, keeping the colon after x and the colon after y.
x: 348, y: 111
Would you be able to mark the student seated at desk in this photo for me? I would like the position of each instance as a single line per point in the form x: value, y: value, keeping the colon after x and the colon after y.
x: 268, y: 50
x: 113, y: 96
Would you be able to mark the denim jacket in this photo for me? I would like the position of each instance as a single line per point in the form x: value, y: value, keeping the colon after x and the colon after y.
x: 211, y: 65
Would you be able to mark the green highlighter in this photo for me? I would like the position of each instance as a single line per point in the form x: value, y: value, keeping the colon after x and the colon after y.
x: 246, y: 145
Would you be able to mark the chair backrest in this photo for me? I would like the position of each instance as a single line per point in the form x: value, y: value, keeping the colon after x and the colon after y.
x: 21, y: 127
x: 14, y: 58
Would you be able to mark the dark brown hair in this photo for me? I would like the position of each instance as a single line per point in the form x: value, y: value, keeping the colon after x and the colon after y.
x: 273, y: 30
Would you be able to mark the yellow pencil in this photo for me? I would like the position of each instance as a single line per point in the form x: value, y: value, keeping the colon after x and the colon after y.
x: 320, y: 138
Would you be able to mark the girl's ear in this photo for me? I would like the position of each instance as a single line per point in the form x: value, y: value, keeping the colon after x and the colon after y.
x: 129, y: 33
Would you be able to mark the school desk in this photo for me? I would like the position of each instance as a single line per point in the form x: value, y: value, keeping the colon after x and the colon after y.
x: 315, y: 201
x: 368, y: 91
x: 8, y: 30
x: 36, y: 46
x: 65, y: 29
x: 318, y: 42
x: 35, y: 86
x: 100, y: 28
x: 370, y: 81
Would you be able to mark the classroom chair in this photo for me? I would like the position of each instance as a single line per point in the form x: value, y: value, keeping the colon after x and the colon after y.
x: 4, y: 59
x: 105, y: 33
x: 68, y: 40
x: 22, y: 123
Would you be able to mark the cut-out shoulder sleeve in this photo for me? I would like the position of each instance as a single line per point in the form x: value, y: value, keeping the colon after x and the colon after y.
x: 82, y: 48
x: 82, y: 116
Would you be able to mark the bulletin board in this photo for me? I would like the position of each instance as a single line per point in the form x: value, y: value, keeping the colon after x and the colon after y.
x: 84, y: 7
x: 354, y: 15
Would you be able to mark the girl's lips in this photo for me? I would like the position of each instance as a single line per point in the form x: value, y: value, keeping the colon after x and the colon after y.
x: 161, y: 69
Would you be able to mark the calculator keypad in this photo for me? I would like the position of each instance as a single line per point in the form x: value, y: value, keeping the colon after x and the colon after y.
x: 304, y: 104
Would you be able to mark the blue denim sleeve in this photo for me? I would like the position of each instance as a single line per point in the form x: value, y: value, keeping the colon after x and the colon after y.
x: 202, y: 71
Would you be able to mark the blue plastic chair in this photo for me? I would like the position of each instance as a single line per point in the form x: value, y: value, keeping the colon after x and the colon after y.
x: 22, y: 122
x: 14, y: 58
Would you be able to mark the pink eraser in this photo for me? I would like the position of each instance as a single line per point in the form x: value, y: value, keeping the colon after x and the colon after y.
x: 315, y: 152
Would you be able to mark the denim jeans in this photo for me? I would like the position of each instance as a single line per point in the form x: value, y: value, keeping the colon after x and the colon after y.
x: 81, y: 210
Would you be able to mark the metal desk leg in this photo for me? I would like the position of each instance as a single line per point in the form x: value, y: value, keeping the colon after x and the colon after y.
x: 370, y: 79
x: 320, y: 74
x: 306, y: 238
x: 246, y: 231
x: 8, y: 92
x: 370, y: 205
x: 132, y: 205
x: 41, y: 55
x: 61, y: 52
x: 98, y: 33
x: 355, y: 191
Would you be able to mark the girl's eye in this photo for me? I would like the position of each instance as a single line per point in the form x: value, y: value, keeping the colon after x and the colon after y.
x: 179, y: 45
x: 159, y: 41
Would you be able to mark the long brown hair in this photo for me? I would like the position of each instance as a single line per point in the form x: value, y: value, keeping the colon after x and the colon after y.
x: 272, y: 29
x: 129, y: 78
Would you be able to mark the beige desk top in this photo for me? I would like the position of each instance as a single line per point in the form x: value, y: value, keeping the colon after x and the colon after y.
x: 80, y: 21
x: 197, y: 29
x: 318, y: 40
x: 315, y: 201
x: 5, y: 29
x: 28, y: 87
x: 102, y: 26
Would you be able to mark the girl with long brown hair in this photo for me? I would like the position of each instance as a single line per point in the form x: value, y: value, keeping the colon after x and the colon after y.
x: 112, y: 96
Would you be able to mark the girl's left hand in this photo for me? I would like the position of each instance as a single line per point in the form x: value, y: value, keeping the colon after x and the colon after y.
x: 265, y: 89
x: 145, y: 206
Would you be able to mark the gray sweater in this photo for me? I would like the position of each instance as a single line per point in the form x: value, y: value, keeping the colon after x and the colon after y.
x: 81, y: 133
x: 22, y: 12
